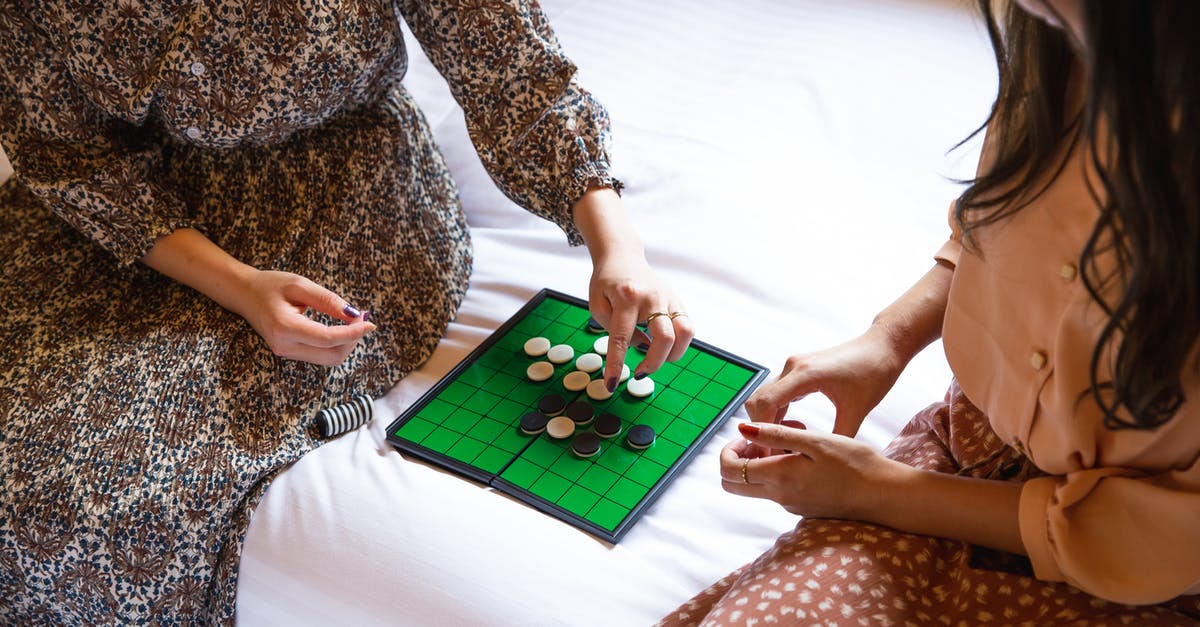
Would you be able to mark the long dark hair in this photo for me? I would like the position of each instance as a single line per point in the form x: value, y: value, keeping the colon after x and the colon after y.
x: 1141, y: 60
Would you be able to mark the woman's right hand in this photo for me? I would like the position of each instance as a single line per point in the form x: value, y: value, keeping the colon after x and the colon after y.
x: 854, y: 376
x: 275, y: 304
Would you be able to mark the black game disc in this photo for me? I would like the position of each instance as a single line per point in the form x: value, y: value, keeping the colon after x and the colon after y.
x: 594, y: 327
x: 552, y: 404
x: 581, y: 412
x: 534, y: 422
x: 608, y: 425
x: 640, y: 436
x: 586, y: 444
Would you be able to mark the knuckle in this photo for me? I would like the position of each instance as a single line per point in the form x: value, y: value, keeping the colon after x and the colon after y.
x: 627, y: 290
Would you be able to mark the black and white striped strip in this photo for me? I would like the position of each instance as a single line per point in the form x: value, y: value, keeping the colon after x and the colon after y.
x: 339, y: 419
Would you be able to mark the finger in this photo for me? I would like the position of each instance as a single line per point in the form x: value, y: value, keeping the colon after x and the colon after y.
x: 309, y: 332
x: 793, y: 423
x: 751, y: 490
x: 684, y: 334
x: 662, y: 339
x: 314, y: 355
x: 321, y: 299
x: 846, y: 421
x: 780, y: 437
x: 741, y: 469
x: 797, y: 383
x: 620, y: 330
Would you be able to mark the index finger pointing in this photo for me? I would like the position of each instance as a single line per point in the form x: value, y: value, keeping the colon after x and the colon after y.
x: 771, y: 435
x: 624, y: 317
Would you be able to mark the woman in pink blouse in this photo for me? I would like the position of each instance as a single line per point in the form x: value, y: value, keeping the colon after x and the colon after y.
x: 1059, y: 481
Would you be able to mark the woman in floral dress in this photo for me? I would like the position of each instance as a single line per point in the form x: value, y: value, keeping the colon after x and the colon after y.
x: 263, y: 163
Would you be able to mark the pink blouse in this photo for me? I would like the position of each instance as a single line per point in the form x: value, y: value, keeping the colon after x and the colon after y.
x: 1120, y: 515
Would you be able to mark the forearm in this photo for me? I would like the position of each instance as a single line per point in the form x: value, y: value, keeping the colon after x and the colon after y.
x: 914, y: 320
x: 194, y: 260
x: 978, y: 511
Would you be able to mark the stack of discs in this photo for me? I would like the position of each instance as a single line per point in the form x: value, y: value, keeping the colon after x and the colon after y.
x: 339, y: 419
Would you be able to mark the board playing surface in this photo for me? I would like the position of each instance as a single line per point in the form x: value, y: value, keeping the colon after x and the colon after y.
x: 470, y: 421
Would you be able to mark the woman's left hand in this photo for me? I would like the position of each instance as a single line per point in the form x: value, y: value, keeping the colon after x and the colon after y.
x: 821, y: 475
x: 624, y: 291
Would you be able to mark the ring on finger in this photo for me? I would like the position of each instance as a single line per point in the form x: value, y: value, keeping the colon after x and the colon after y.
x: 656, y: 314
x: 675, y: 314
x: 745, y: 463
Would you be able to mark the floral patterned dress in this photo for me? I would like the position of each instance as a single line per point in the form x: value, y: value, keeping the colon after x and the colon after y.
x: 139, y: 421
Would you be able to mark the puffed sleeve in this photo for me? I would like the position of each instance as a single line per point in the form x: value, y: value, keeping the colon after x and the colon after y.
x: 94, y: 170
x: 1115, y: 533
x: 543, y: 139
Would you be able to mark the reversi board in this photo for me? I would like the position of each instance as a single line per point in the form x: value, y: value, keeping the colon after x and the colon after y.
x: 470, y: 422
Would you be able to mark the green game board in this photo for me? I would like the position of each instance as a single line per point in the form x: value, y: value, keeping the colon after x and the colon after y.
x: 469, y: 422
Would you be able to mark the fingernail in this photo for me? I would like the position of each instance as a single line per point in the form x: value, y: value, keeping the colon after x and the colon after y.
x: 349, y: 310
x: 611, y: 384
x: 639, y: 375
x: 748, y: 429
x: 643, y: 347
x: 366, y: 315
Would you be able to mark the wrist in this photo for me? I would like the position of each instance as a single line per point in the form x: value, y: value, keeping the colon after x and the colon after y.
x: 892, y: 349
x: 606, y: 228
x: 891, y: 494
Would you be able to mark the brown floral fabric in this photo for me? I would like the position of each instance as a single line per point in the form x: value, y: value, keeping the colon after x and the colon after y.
x: 139, y: 421
x: 842, y: 572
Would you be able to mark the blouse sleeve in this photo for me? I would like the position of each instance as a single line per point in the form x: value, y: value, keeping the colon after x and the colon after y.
x: 948, y: 254
x: 1118, y: 534
x: 543, y: 139
x: 92, y: 169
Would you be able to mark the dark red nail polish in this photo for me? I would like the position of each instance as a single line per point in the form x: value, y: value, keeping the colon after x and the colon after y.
x: 611, y: 384
x: 639, y: 375
x: 748, y: 429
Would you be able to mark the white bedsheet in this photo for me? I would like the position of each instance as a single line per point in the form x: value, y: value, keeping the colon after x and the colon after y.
x: 786, y: 164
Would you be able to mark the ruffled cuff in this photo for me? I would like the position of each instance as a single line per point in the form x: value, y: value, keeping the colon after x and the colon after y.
x: 948, y: 254
x: 1035, y: 531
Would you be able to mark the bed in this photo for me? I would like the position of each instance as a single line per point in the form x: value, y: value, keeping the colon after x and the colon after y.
x: 787, y: 166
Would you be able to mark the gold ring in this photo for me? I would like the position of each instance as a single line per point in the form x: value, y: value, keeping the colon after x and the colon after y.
x: 656, y: 314
x: 675, y: 314
x: 745, y: 463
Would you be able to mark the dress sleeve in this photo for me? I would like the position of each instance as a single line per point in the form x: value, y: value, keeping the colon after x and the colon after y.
x: 93, y: 169
x: 948, y: 254
x: 1115, y: 533
x: 543, y: 139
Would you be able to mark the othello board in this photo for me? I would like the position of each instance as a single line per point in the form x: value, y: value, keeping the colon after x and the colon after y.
x: 491, y: 421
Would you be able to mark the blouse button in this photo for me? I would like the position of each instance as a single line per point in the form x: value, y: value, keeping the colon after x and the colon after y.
x: 1067, y: 272
x: 1037, y: 360
x: 198, y: 69
x: 193, y: 132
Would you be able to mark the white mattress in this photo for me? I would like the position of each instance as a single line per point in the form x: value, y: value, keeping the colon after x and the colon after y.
x: 786, y: 164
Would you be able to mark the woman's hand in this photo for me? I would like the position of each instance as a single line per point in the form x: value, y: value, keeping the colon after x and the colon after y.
x: 275, y: 304
x: 625, y: 291
x: 820, y: 475
x: 854, y: 376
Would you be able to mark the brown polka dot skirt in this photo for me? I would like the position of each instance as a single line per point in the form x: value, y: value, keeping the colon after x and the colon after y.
x: 841, y: 572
